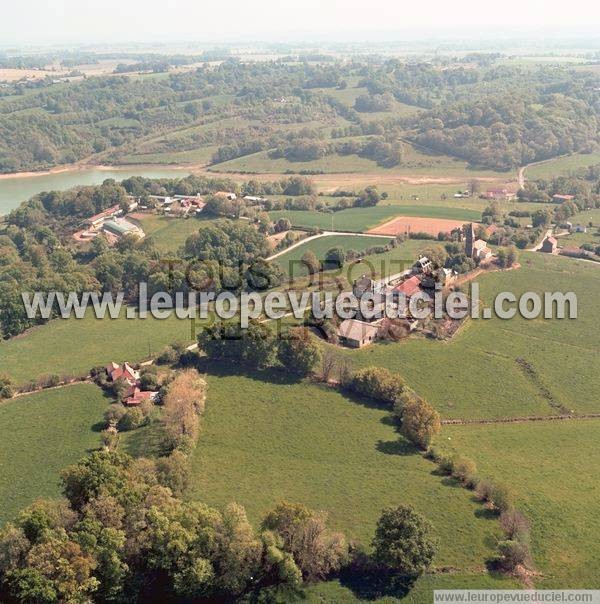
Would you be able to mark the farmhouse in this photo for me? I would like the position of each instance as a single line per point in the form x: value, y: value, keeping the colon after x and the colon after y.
x: 561, y: 198
x: 126, y: 372
x: 96, y: 221
x: 409, y: 288
x: 480, y: 250
x: 500, y: 194
x: 357, y: 334
x: 133, y: 395
x: 422, y: 265
x: 550, y: 246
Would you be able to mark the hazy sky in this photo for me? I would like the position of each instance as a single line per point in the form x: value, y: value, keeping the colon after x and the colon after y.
x: 38, y: 21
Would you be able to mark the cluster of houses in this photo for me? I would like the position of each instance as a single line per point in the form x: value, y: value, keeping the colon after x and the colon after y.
x: 177, y: 205
x: 111, y: 224
x: 361, y: 330
x: 133, y: 395
x: 499, y: 195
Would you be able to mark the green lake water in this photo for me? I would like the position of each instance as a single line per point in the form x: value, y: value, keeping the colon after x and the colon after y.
x: 13, y: 191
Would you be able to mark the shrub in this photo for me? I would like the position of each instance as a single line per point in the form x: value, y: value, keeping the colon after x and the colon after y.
x: 484, y: 490
x: 463, y: 468
x: 378, y: 383
x: 420, y: 422
x: 110, y: 439
x: 6, y: 388
x: 515, y: 525
x: 512, y: 554
x: 502, y: 497
x: 132, y: 419
x: 149, y: 381
x: 113, y: 414
x: 446, y: 465
x: 168, y: 356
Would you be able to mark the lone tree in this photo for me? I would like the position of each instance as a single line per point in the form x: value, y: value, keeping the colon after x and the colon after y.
x: 335, y: 257
x: 404, y: 541
x: 311, y: 262
x: 298, y: 352
x: 420, y: 422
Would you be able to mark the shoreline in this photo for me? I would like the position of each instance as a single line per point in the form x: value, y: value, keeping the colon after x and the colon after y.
x: 99, y: 167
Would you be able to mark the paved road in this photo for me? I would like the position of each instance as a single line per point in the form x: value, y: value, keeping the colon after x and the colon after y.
x: 325, y: 234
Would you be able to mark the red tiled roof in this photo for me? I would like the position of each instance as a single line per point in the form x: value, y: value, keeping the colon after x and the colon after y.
x: 138, y: 397
x: 409, y: 287
x: 108, y: 212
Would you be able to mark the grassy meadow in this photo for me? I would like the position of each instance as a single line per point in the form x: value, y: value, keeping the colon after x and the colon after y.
x: 551, y: 466
x: 363, y: 219
x: 266, y: 437
x: 169, y: 233
x: 562, y: 166
x: 74, y: 346
x: 476, y: 374
x: 42, y: 433
x: 414, y: 162
x: 290, y: 261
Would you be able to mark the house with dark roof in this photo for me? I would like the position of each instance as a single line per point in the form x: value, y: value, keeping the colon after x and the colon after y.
x: 550, y: 245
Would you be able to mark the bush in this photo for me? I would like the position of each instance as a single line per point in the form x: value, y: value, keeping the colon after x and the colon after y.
x: 484, y: 490
x: 149, y: 381
x: 446, y: 465
x: 168, y: 356
x: 378, y: 383
x: 6, y: 388
x: 512, y: 554
x: 463, y: 468
x: 515, y: 525
x: 502, y: 497
x: 420, y: 422
x: 132, y: 419
x: 113, y: 414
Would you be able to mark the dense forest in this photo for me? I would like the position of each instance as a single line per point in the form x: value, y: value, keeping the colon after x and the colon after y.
x: 491, y: 115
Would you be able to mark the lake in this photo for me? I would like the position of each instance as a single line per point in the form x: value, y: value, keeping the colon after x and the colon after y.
x: 15, y: 190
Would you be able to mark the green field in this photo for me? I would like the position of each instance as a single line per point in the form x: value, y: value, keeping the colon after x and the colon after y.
x: 290, y: 261
x: 562, y: 166
x: 167, y: 233
x: 476, y: 375
x: 41, y: 434
x: 266, y: 438
x: 202, y: 155
x: 74, y: 346
x: 552, y: 467
x: 414, y: 162
x: 336, y: 591
x: 363, y: 219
